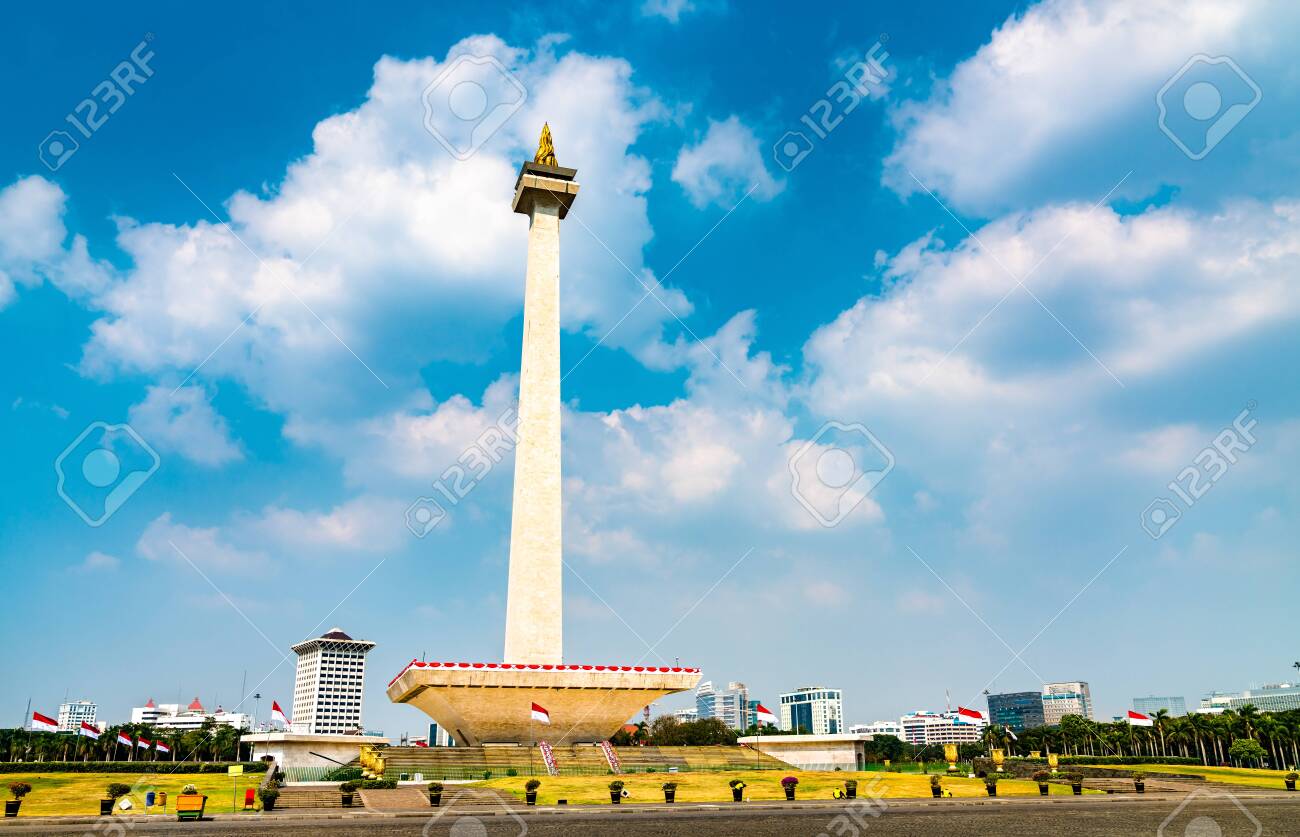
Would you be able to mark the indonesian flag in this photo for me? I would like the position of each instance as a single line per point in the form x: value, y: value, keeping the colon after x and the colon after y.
x: 277, y: 714
x: 88, y: 731
x: 763, y: 716
x: 974, y: 714
x: 143, y: 743
x: 1011, y: 733
x: 1137, y: 719
x: 540, y: 714
x: 123, y: 738
x: 162, y: 748
x: 422, y: 743
x: 40, y: 723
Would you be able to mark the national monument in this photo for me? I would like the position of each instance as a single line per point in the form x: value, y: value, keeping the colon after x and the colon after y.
x: 489, y: 703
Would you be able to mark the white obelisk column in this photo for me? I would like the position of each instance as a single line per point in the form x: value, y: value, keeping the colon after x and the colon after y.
x: 534, y: 604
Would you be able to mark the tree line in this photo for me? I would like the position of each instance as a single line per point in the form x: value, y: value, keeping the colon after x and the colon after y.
x: 210, y: 742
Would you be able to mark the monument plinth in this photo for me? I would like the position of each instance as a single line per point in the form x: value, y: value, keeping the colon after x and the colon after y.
x: 489, y: 703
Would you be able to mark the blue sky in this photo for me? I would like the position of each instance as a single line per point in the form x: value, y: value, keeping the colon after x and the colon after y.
x: 1034, y: 299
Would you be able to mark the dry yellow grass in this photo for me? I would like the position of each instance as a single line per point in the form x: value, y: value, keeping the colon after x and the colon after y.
x: 57, y: 794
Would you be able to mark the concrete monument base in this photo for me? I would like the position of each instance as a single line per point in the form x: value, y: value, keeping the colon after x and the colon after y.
x: 297, y: 749
x: 490, y: 703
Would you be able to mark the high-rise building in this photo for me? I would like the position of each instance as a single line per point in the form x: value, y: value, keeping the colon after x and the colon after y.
x: 1272, y: 697
x: 814, y: 709
x: 1017, y: 710
x: 730, y: 705
x: 1175, y: 706
x: 878, y: 728
x: 73, y: 715
x: 1061, y: 699
x: 330, y: 685
x: 690, y: 713
x: 940, y: 728
x: 439, y: 737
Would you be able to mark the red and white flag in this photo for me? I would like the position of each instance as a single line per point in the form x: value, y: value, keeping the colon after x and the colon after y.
x: 88, y: 731
x: 40, y: 723
x: 540, y: 714
x: 277, y: 714
x: 973, y: 714
x: 422, y: 743
x: 143, y: 743
x: 763, y: 716
x: 162, y: 748
x: 123, y: 738
x: 1137, y: 719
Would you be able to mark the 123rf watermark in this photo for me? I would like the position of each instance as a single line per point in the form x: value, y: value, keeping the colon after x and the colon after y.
x: 861, y: 80
x: 462, y: 477
x: 92, y: 112
x: 1205, y: 470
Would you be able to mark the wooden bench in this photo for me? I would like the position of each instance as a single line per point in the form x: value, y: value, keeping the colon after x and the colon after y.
x: 189, y: 806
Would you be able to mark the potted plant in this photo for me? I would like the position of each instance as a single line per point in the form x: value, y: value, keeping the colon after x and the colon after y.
x: 1042, y: 777
x: 530, y: 791
x: 670, y: 791
x: 1139, y: 781
x: 114, y: 792
x: 268, y: 795
x: 347, y: 789
x: 851, y: 788
x: 737, y: 790
x: 435, y: 794
x: 19, y: 790
x: 616, y: 792
x: 936, y: 787
x: 1076, y: 783
x: 789, y: 783
x: 991, y: 785
x: 1290, y: 780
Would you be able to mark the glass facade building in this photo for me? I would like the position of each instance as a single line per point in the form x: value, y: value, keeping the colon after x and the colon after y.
x: 1017, y: 710
x: 816, y: 710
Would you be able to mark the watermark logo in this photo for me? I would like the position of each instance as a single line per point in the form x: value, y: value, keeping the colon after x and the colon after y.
x: 858, y: 813
x: 469, y: 101
x: 102, y: 468
x: 862, y: 79
x: 487, y: 809
x: 92, y: 112
x: 1206, y: 469
x: 1204, y: 101
x: 835, y: 470
x: 1206, y: 814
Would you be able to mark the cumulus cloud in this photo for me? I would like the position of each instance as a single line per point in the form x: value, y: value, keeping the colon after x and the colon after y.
x: 183, y: 421
x: 203, y: 547
x: 98, y: 561
x: 379, y: 251
x: 362, y: 524
x: 669, y: 10
x: 32, y: 243
x: 1060, y: 102
x: 724, y: 166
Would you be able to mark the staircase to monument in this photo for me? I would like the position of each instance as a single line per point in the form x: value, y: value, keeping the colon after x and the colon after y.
x: 571, y: 760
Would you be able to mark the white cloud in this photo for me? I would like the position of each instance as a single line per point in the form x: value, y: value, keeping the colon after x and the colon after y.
x: 1061, y: 101
x: 724, y: 166
x: 183, y: 421
x: 163, y: 540
x: 31, y: 242
x: 669, y: 10
x: 362, y: 524
x: 380, y: 243
x: 98, y: 561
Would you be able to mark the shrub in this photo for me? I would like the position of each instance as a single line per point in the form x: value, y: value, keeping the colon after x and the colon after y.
x: 1042, y: 777
x: 268, y: 795
x: 649, y: 770
x: 117, y: 790
x: 532, y: 784
x: 349, y: 787
x: 1076, y: 778
x: 188, y: 790
x: 511, y: 772
x: 991, y: 781
x: 1138, y: 776
x: 487, y: 774
x: 616, y: 785
x: 378, y: 784
x: 851, y: 784
x: 735, y: 783
x: 435, y: 787
x: 669, y: 786
x: 789, y: 781
x: 1293, y: 775
x: 21, y: 789
x: 934, y: 781
x: 342, y: 774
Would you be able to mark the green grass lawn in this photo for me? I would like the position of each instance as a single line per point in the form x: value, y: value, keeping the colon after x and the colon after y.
x: 58, y: 794
x: 1248, y: 776
x: 765, y: 784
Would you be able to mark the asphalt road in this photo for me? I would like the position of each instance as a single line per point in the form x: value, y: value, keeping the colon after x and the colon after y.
x: 1163, y: 817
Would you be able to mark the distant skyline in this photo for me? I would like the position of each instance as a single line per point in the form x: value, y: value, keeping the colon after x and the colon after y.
x: 906, y: 348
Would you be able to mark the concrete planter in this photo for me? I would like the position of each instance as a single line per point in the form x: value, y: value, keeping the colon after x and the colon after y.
x: 530, y: 797
x: 435, y: 799
x: 670, y: 796
x: 106, y: 807
x: 1078, y: 789
x: 737, y: 794
x: 789, y: 793
x: 615, y: 798
x: 12, y: 806
x: 1140, y: 787
x: 1042, y: 789
x: 347, y: 800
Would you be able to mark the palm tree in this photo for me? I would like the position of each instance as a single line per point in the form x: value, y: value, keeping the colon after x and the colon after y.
x: 1248, y: 715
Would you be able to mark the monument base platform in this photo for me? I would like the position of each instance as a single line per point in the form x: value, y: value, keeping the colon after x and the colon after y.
x: 491, y: 703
